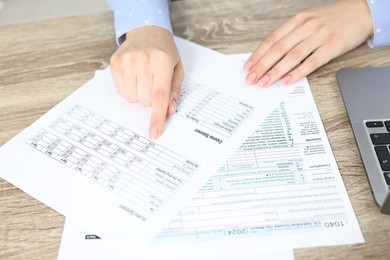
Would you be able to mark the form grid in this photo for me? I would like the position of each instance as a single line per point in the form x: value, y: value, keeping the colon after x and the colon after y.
x: 216, y: 111
x: 137, y: 169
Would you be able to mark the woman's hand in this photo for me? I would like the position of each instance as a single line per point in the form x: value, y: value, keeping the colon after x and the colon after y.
x: 147, y: 69
x: 309, y: 40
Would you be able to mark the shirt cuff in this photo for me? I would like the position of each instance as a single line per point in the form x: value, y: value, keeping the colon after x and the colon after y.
x: 380, y: 11
x: 129, y: 15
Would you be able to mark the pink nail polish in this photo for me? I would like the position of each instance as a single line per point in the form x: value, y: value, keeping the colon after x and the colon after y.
x: 248, y: 65
x: 250, y: 79
x: 287, y: 79
x: 153, y: 132
x: 263, y: 81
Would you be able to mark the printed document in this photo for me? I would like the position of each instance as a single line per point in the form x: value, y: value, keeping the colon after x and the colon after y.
x: 280, y: 189
x: 90, y: 157
x: 78, y: 244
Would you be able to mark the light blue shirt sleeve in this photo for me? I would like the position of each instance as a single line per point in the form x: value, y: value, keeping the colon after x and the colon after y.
x: 132, y: 14
x: 380, y: 10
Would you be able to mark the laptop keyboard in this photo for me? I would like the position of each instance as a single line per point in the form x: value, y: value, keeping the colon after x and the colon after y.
x: 380, y: 138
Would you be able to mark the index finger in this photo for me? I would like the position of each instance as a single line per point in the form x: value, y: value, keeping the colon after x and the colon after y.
x: 160, y: 101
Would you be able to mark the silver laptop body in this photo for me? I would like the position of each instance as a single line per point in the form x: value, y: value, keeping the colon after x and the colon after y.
x: 366, y: 95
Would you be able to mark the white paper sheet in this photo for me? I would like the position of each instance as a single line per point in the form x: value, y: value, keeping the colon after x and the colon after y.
x: 77, y: 244
x: 90, y: 159
x: 281, y: 189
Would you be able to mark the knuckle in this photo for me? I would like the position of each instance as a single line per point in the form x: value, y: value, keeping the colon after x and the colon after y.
x: 311, y: 22
x: 270, y: 40
x: 313, y: 62
x: 115, y: 60
x: 335, y: 40
x: 260, y: 68
x: 301, y: 16
x: 159, y: 95
x: 279, y: 48
x: 275, y: 72
x: 139, y: 60
x: 177, y: 82
x: 325, y: 31
x: 163, y: 57
x: 295, y: 54
x: 127, y: 56
x: 143, y: 56
x: 128, y: 60
x: 175, y: 89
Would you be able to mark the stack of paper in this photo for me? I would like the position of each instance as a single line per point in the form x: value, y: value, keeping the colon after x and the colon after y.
x: 90, y: 159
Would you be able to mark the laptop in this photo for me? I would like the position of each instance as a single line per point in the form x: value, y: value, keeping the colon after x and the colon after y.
x: 366, y: 94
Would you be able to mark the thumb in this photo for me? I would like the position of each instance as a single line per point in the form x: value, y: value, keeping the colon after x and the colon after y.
x: 177, y: 80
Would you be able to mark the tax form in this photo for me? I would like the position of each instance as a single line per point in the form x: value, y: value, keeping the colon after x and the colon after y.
x: 78, y: 244
x: 90, y: 159
x: 281, y: 189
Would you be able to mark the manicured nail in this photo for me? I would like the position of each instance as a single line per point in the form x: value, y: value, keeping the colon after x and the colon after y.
x: 286, y: 79
x: 173, y: 106
x: 263, y: 81
x: 248, y: 65
x: 250, y: 79
x: 153, y: 132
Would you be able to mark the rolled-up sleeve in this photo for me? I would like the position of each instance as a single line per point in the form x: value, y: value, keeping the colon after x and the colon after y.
x: 132, y: 14
x: 380, y: 11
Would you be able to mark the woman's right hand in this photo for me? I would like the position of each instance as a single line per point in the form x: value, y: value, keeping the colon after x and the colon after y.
x: 147, y: 69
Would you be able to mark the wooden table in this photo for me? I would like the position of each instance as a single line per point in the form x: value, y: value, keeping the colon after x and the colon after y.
x: 41, y: 63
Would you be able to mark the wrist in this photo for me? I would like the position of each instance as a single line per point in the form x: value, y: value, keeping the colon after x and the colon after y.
x: 149, y: 32
x: 366, y: 17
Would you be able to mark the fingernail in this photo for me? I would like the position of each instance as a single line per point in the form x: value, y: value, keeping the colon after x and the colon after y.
x: 173, y: 106
x: 153, y: 132
x: 248, y: 65
x: 263, y: 81
x: 286, y: 80
x: 250, y: 79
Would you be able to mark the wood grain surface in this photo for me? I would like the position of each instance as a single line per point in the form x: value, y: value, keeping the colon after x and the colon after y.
x: 43, y: 62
